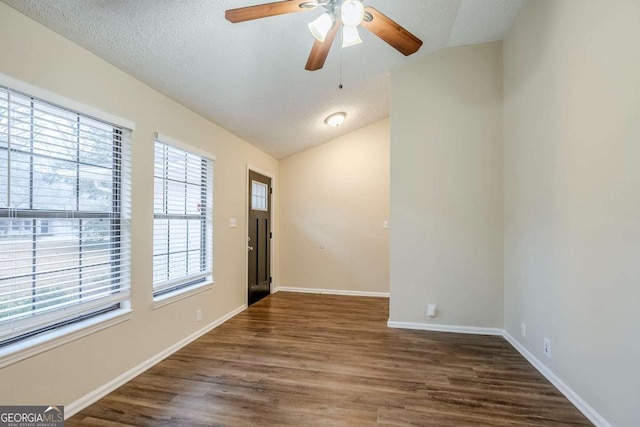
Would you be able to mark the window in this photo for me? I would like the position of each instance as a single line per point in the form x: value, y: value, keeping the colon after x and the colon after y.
x: 182, y: 219
x: 64, y: 215
x: 259, y: 199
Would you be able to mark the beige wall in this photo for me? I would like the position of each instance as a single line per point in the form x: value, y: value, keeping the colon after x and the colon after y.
x: 569, y: 221
x: 40, y: 57
x: 334, y: 199
x: 572, y: 195
x: 446, y: 188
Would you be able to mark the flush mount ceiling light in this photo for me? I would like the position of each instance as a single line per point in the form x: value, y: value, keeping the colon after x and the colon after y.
x: 345, y: 14
x: 336, y: 119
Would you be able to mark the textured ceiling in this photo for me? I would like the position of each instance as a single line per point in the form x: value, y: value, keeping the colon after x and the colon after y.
x: 249, y: 77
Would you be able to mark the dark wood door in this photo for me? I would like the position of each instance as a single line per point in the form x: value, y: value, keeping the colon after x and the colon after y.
x: 259, y: 239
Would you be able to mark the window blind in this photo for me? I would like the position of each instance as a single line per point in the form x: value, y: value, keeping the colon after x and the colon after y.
x: 183, y: 219
x: 64, y: 216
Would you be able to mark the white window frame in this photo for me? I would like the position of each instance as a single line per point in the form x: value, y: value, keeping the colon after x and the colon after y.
x: 169, y: 291
x: 61, y: 334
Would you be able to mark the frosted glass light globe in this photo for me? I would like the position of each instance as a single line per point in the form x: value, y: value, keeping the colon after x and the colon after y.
x: 352, y: 12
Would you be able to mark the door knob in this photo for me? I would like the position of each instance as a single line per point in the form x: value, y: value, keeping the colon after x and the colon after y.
x: 250, y: 248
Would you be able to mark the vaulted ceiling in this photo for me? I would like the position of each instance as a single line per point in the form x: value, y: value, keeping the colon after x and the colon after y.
x: 249, y: 77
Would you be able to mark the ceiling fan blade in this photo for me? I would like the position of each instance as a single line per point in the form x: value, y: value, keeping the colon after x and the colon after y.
x: 269, y: 9
x: 320, y: 50
x: 391, y: 32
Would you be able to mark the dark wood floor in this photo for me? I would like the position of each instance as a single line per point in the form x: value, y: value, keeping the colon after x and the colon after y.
x: 307, y: 360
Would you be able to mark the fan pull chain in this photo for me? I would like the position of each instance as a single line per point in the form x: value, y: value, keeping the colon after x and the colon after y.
x: 340, y: 85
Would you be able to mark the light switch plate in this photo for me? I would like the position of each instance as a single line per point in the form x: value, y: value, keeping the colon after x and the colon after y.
x: 233, y: 223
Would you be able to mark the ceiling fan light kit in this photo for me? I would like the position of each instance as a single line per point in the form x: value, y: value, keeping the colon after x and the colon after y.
x: 324, y: 28
x: 352, y: 13
x: 321, y: 26
x: 350, y: 36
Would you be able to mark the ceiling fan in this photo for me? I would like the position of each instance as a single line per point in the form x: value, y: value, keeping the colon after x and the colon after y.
x: 348, y: 14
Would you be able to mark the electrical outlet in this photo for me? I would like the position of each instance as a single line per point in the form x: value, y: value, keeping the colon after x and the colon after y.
x: 547, y: 348
x: 523, y: 330
x: 198, y: 315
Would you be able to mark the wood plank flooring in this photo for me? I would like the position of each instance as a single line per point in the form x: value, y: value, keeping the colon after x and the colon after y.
x: 323, y: 360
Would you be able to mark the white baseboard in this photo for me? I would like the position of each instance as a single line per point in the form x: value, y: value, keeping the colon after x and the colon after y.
x: 474, y: 330
x: 100, y: 392
x: 568, y: 392
x: 573, y: 397
x: 332, y: 292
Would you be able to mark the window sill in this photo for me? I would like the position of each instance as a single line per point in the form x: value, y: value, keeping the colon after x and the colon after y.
x: 181, y: 294
x: 40, y: 343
